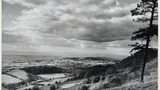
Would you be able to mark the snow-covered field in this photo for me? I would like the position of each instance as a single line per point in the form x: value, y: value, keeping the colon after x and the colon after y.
x: 7, y: 79
x: 49, y: 76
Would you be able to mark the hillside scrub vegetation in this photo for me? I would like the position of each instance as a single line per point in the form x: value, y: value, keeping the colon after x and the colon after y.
x: 124, y: 72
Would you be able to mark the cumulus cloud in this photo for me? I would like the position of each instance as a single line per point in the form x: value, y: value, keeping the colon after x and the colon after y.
x: 83, y: 24
x: 91, y: 22
x: 27, y: 3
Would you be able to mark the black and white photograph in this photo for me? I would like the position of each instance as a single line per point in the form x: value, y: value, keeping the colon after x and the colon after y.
x: 79, y: 45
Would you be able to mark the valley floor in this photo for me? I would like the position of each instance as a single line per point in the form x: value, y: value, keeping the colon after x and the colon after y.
x: 123, y: 79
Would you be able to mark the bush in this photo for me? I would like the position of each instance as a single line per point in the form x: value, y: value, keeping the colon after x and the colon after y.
x: 122, y: 76
x: 103, y: 78
x: 96, y: 79
x: 94, y: 71
x: 22, y: 82
x: 56, y: 82
x: 134, y: 75
x: 113, y: 83
x: 52, y: 87
x: 88, y: 81
x: 116, y: 81
x: 108, y: 85
x: 35, y: 88
x: 84, y: 88
x: 68, y: 79
x: 134, y: 69
x: 81, y: 75
x: 87, y: 75
x: 105, y: 85
x: 110, y: 71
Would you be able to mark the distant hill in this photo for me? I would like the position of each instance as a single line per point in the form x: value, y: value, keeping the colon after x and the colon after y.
x: 93, y: 59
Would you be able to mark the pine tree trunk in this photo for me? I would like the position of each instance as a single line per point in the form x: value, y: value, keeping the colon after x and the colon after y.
x: 148, y: 40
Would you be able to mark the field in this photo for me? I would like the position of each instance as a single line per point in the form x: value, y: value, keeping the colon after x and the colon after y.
x: 7, y: 79
x: 74, y: 73
x: 49, y: 76
x: 19, y: 74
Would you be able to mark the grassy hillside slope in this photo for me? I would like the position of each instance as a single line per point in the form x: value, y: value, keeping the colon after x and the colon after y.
x: 125, y: 75
x: 150, y: 79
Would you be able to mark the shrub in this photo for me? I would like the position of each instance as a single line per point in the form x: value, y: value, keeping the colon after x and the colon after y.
x: 134, y: 75
x: 35, y: 88
x: 89, y: 80
x: 116, y: 81
x: 108, y: 85
x: 105, y: 85
x: 23, y: 82
x: 86, y: 81
x: 103, y: 78
x: 68, y: 79
x: 134, y: 69
x: 87, y: 75
x: 94, y: 71
x: 113, y: 83
x: 56, y: 82
x: 52, y: 87
x: 96, y: 79
x: 110, y: 71
x: 81, y: 75
x: 122, y: 76
x: 84, y: 88
x: 48, y: 84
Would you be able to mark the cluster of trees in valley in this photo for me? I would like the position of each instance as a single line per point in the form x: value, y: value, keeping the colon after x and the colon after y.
x: 44, y: 70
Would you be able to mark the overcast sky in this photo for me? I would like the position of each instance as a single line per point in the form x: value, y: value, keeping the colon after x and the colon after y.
x: 68, y: 27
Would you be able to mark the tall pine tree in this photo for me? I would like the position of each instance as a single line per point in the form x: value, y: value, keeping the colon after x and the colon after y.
x: 147, y: 12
